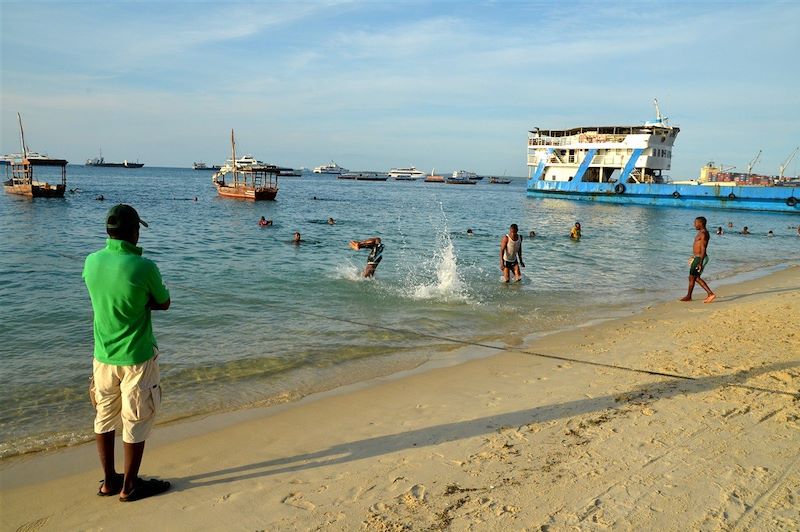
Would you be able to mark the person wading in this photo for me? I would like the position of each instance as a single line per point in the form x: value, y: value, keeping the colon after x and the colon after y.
x: 511, y: 254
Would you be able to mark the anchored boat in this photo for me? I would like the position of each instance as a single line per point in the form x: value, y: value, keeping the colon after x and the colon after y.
x: 253, y: 181
x: 625, y: 165
x: 20, y: 175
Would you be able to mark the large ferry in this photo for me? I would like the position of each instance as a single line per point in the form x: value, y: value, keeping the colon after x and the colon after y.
x: 406, y: 174
x: 331, y: 168
x: 627, y: 165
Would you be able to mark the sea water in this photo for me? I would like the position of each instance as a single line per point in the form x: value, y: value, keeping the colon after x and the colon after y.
x: 256, y: 319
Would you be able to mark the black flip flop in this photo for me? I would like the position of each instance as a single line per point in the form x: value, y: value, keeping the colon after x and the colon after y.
x: 115, y: 491
x: 146, y: 488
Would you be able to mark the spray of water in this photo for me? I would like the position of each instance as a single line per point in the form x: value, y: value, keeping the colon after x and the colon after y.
x: 448, y: 285
x: 436, y: 277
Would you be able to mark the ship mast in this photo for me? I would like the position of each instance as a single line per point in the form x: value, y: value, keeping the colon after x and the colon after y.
x: 22, y: 138
x: 233, y: 155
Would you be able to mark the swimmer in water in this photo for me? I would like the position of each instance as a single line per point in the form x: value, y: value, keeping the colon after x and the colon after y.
x: 263, y: 222
x: 297, y: 240
x: 331, y: 221
x: 375, y: 255
x: 470, y: 232
x: 575, y: 232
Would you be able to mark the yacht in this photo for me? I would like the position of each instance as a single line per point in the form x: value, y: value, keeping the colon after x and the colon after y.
x: 406, y: 174
x: 331, y: 168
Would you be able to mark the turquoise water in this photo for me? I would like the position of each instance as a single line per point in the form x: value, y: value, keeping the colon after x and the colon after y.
x: 258, y: 320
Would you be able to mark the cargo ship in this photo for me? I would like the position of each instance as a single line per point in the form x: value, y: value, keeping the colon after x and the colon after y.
x: 626, y: 165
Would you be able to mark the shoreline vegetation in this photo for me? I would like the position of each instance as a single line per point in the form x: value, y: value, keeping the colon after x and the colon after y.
x: 509, y: 441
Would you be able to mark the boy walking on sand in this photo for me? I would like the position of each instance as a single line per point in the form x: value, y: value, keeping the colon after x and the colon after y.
x: 699, y: 260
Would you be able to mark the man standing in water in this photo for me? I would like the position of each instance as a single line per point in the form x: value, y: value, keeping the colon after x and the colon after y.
x: 698, y: 262
x: 375, y: 255
x: 511, y: 254
x: 124, y: 288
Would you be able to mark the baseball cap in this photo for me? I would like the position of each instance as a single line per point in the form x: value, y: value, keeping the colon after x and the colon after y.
x: 123, y: 217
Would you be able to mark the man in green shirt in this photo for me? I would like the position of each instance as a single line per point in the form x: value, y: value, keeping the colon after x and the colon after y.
x: 124, y: 288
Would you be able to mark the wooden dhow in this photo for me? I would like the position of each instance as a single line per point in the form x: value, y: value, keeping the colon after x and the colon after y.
x: 20, y: 175
x: 252, y: 182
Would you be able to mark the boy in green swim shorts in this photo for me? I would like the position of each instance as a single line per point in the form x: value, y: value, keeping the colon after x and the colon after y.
x: 699, y: 260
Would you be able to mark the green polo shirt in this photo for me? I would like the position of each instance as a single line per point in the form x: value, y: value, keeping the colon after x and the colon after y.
x: 121, y: 283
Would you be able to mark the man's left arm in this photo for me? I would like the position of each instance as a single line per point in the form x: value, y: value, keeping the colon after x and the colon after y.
x: 519, y: 252
x: 159, y: 294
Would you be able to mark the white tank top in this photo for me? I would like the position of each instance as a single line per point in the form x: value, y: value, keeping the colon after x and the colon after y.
x: 512, y: 248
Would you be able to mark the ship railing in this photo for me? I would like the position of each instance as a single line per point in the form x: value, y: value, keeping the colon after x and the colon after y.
x: 583, y: 138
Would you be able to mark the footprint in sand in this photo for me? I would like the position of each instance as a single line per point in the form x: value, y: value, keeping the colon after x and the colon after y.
x: 296, y: 500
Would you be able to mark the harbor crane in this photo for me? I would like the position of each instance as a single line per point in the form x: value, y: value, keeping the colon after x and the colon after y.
x: 786, y: 162
x: 752, y: 163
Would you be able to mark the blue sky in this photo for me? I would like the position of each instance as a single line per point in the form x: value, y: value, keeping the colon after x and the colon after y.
x: 373, y: 84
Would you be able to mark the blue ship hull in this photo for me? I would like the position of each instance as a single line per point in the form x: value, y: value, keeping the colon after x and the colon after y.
x: 752, y: 198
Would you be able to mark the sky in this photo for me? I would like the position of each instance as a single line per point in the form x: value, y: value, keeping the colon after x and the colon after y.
x: 378, y: 84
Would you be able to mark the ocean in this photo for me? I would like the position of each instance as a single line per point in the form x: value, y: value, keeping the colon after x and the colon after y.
x: 257, y: 320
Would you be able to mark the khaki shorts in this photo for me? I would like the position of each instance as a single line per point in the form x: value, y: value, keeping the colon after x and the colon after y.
x: 129, y: 393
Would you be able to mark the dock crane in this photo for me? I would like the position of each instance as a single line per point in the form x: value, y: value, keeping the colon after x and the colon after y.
x: 752, y: 163
x: 786, y: 162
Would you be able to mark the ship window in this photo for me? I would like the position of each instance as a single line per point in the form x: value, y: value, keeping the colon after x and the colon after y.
x: 630, y: 151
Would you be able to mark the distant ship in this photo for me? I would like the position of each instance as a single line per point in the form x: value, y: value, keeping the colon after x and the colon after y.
x: 363, y: 176
x: 406, y: 174
x: 433, y: 178
x: 625, y: 164
x: 100, y: 161
x: 463, y: 174
x: 331, y: 168
x: 204, y: 166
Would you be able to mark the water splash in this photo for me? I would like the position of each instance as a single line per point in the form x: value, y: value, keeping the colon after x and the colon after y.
x: 348, y: 271
x: 448, y: 284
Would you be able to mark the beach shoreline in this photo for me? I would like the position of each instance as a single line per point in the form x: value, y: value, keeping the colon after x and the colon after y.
x: 467, y: 422
x: 372, y: 370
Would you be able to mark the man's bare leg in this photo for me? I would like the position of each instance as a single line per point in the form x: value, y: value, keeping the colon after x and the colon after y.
x: 711, y: 295
x: 105, y: 450
x: 688, y: 296
x: 506, y: 274
x: 133, y: 459
x: 517, y: 273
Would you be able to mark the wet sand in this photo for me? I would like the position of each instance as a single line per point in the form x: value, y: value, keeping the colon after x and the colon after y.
x: 512, y: 441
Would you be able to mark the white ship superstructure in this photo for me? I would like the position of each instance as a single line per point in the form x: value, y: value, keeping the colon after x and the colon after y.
x: 331, y: 168
x: 464, y: 174
x: 409, y: 173
x: 602, y: 154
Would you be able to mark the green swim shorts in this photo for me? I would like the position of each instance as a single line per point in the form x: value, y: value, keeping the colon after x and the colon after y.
x: 697, y: 266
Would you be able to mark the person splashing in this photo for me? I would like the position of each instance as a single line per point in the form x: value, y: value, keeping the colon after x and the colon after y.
x: 375, y: 255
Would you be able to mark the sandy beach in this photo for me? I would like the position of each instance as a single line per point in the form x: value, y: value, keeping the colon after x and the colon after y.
x: 688, y: 417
